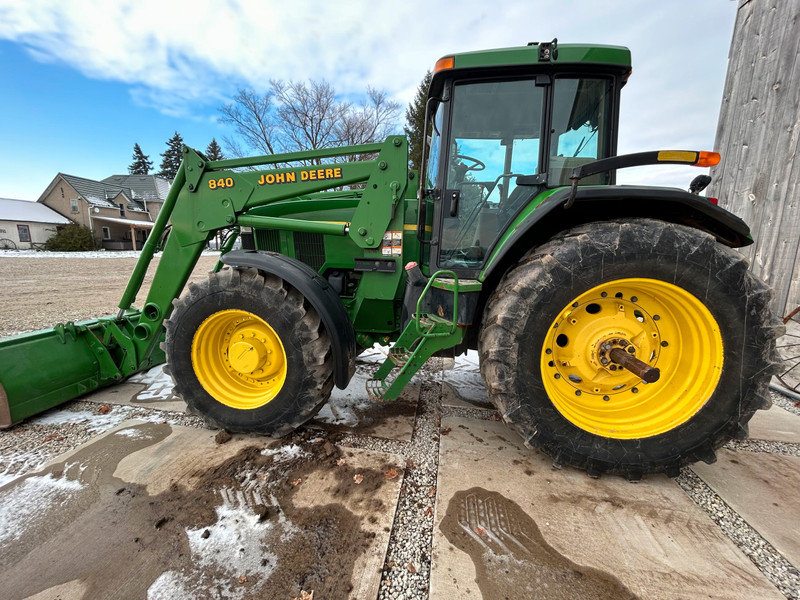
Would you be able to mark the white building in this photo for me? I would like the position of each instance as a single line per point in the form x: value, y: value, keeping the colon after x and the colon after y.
x: 25, y: 225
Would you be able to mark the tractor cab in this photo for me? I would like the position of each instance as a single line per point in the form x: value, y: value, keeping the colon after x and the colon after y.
x: 502, y: 126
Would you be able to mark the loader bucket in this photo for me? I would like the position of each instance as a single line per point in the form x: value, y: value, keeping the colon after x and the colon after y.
x: 42, y: 369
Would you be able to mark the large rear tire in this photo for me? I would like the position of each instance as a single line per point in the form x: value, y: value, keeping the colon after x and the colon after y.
x: 248, y: 353
x: 667, y: 294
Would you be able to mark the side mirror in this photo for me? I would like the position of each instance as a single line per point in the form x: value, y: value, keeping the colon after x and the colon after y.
x: 699, y: 183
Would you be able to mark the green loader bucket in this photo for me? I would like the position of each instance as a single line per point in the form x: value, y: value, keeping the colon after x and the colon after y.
x: 42, y: 369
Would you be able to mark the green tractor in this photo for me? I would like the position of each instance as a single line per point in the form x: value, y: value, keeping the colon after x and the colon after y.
x: 617, y: 329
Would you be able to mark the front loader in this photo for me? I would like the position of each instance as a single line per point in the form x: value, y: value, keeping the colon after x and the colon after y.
x: 617, y: 328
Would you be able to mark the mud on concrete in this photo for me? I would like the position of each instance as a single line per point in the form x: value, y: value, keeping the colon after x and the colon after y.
x: 114, y: 536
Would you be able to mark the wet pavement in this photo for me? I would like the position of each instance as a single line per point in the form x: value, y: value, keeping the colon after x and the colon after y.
x: 154, y: 509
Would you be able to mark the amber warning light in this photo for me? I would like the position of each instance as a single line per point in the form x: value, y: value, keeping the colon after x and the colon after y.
x: 707, y: 159
x: 444, y: 63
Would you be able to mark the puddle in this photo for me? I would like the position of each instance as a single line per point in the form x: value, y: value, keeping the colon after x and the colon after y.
x: 512, y: 558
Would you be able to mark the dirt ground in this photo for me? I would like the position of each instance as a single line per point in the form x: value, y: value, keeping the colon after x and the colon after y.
x: 86, y: 288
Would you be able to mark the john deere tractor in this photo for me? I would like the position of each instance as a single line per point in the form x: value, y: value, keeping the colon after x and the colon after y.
x: 618, y: 329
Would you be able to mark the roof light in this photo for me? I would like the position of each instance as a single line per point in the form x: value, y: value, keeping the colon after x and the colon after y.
x: 444, y: 63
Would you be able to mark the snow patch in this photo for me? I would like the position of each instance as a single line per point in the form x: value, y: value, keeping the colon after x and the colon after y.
x: 285, y: 453
x: 234, y: 546
x: 131, y: 432
x: 18, y: 463
x: 171, y: 586
x: 468, y: 362
x: 343, y: 406
x: 159, y: 384
x: 465, y: 378
x: 375, y: 355
x: 95, y: 423
x: 468, y: 385
x: 30, y: 500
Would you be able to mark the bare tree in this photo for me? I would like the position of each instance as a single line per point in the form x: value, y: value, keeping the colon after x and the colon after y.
x: 372, y: 121
x: 293, y: 116
x: 250, y: 115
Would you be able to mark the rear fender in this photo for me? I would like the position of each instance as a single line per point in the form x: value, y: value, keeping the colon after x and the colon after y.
x: 535, y: 225
x: 321, y: 296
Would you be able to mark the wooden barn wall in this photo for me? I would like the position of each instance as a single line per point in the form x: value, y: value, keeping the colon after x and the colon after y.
x: 757, y: 135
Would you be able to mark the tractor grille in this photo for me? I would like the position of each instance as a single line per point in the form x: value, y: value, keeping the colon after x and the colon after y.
x: 268, y: 239
x: 310, y: 248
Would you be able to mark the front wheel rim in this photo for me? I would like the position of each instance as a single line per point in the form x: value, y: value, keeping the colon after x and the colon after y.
x: 239, y: 359
x: 661, y: 324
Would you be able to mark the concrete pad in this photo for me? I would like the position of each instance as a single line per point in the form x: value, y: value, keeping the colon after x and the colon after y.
x: 775, y: 425
x: 507, y: 524
x: 762, y: 488
x: 163, y: 511
x: 351, y: 410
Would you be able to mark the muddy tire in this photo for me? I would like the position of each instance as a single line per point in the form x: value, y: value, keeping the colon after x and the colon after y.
x: 248, y: 353
x: 667, y: 294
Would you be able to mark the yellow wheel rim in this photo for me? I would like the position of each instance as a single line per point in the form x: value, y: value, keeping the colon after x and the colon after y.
x: 659, y: 323
x: 239, y: 359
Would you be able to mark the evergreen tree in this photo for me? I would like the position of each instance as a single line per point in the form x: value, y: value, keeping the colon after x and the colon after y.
x: 171, y: 158
x: 214, y: 152
x: 141, y: 164
x: 415, y: 122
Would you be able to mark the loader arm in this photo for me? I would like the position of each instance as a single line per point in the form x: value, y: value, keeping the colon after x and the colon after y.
x: 205, y: 197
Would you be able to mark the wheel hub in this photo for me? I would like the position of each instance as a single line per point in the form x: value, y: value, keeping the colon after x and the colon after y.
x: 603, y: 351
x: 247, y: 356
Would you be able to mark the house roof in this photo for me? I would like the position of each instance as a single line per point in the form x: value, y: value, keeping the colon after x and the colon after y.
x: 151, y: 188
x: 28, y: 211
x: 100, y: 193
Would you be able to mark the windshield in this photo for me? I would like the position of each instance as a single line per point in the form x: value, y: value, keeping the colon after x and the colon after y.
x: 495, y: 131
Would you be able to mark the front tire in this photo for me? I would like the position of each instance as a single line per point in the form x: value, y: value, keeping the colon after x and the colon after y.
x: 248, y: 353
x: 668, y: 294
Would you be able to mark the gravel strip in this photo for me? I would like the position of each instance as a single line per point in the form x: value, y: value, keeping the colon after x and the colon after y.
x: 406, y: 571
x: 785, y: 448
x: 784, y: 402
x: 779, y: 571
x: 479, y: 414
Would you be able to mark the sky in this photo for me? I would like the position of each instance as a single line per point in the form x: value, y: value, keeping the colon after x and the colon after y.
x: 83, y: 80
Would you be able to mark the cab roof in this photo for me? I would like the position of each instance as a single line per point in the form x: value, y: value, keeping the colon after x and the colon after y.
x: 574, y: 54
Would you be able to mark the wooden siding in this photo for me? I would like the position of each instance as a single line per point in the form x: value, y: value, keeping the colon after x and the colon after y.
x: 757, y: 135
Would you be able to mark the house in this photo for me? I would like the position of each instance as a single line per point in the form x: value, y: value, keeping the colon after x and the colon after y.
x: 151, y: 190
x: 119, y: 211
x: 25, y: 224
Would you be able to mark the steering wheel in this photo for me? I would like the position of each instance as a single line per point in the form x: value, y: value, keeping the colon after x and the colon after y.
x: 476, y: 165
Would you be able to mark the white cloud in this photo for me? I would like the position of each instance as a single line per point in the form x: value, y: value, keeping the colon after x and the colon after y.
x: 185, y: 58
